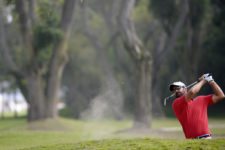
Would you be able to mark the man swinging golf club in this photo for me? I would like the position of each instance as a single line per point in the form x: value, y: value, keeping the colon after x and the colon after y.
x: 191, y: 111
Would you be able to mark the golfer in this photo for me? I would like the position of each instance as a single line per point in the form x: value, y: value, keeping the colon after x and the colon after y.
x: 191, y: 111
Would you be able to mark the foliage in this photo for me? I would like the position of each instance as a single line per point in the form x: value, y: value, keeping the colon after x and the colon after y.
x: 10, y: 1
x: 46, y: 32
x: 165, y: 11
x: 198, y: 10
x: 140, y: 12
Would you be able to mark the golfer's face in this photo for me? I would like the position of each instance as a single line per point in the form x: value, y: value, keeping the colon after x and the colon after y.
x: 179, y: 91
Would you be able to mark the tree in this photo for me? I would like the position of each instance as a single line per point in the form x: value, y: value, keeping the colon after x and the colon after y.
x: 143, y: 60
x: 43, y: 52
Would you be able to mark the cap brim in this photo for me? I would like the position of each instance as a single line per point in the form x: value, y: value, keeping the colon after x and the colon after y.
x: 171, y: 87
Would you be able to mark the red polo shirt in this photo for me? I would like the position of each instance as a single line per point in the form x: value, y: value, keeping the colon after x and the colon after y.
x: 192, y: 115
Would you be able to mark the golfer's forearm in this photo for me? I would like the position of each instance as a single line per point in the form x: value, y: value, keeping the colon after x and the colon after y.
x: 194, y: 90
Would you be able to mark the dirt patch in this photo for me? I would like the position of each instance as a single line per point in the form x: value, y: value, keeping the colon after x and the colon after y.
x: 168, y: 133
x: 47, y: 125
x: 157, y: 133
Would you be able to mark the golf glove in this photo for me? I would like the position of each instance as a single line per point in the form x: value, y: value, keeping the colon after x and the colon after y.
x: 206, y: 75
x: 209, y: 78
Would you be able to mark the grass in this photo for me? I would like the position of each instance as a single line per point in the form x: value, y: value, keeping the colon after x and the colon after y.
x: 16, y: 133
x: 66, y: 134
x: 137, y: 144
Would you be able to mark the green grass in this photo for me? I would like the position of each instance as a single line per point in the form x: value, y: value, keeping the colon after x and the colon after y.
x: 138, y: 144
x: 16, y: 133
x: 67, y: 134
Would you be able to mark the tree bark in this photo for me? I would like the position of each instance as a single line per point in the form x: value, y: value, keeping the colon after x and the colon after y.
x: 32, y: 9
x: 142, y: 118
x: 58, y: 60
x: 36, y: 110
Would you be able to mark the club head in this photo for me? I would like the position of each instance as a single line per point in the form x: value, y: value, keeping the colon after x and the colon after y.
x: 165, y: 101
x: 168, y: 98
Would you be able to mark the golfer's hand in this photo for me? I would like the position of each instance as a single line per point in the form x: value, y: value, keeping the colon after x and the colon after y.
x: 209, y: 79
x: 203, y: 77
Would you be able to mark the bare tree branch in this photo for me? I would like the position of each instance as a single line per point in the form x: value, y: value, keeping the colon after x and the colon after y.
x: 32, y: 9
x: 133, y: 43
x: 25, y: 26
x: 4, y: 48
x: 177, y: 28
x: 67, y: 15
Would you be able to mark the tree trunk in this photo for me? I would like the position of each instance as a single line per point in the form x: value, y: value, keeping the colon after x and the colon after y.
x: 157, y: 110
x: 142, y: 102
x: 36, y: 108
x: 58, y: 60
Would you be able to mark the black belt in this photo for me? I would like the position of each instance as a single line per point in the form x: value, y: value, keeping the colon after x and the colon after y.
x: 203, y: 136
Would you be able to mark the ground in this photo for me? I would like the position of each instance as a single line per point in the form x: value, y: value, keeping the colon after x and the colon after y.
x: 173, y: 132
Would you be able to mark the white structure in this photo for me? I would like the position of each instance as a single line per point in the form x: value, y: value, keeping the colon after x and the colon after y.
x: 12, y: 102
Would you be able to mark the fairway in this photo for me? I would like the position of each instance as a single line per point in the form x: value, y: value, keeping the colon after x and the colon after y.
x: 137, y: 144
x: 67, y: 134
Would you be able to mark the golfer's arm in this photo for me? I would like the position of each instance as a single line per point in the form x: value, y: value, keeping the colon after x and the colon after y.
x: 194, y: 90
x: 218, y: 93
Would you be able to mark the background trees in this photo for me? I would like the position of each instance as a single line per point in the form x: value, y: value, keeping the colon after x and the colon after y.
x: 119, y: 56
x: 36, y: 56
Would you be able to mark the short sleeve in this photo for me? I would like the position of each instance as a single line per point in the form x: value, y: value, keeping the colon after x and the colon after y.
x: 208, y: 99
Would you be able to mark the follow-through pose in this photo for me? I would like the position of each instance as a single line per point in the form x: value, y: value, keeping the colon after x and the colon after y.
x: 191, y: 111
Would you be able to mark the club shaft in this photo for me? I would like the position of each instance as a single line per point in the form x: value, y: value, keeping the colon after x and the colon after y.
x: 192, y: 84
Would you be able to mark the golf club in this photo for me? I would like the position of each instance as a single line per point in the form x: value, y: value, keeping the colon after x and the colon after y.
x: 192, y: 84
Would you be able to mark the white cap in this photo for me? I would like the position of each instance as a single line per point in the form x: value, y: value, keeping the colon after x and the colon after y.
x: 178, y: 83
